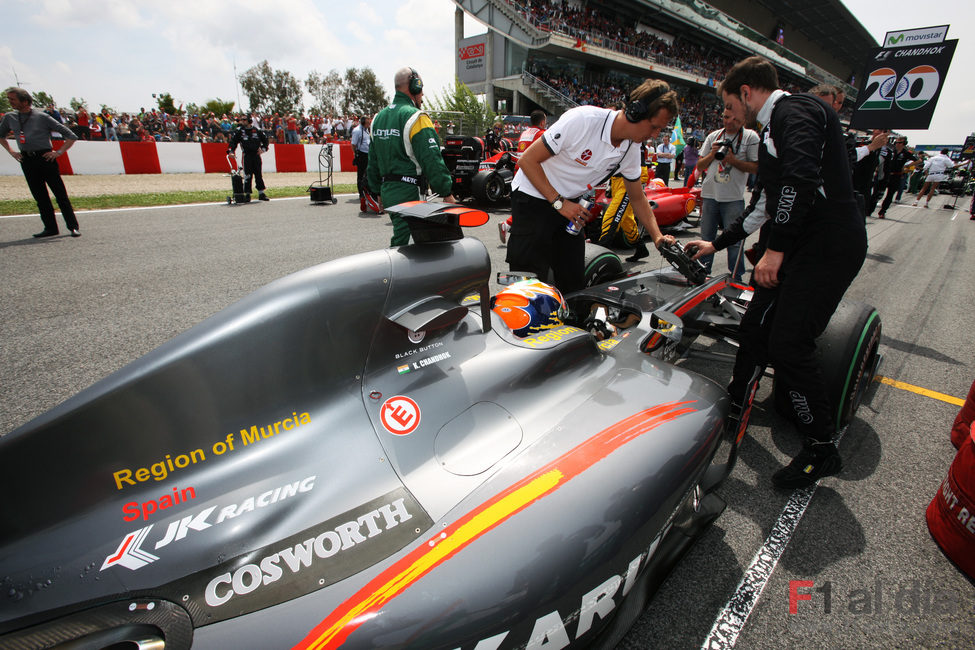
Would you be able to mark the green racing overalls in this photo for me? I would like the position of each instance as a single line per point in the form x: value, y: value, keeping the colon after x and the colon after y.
x: 404, y: 159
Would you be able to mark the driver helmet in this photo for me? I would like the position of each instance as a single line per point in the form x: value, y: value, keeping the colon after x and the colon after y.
x: 529, y: 306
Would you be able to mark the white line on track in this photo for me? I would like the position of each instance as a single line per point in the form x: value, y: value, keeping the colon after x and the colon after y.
x: 157, y: 207
x: 730, y: 622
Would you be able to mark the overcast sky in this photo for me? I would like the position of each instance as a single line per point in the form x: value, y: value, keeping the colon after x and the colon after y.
x: 119, y: 52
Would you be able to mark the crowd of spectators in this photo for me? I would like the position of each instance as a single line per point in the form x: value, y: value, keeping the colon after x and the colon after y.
x: 700, y: 109
x: 157, y: 125
x: 590, y: 26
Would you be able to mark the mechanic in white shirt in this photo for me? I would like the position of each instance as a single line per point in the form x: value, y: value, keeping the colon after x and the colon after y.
x: 937, y: 168
x: 581, y: 150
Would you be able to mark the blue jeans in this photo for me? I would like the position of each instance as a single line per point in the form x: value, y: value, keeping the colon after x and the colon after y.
x: 723, y: 213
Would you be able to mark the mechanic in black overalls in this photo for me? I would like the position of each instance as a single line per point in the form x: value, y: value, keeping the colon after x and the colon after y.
x: 815, y: 245
x: 252, y: 142
x: 894, y: 164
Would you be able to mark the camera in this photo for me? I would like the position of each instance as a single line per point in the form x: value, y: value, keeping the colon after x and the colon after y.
x: 722, y: 148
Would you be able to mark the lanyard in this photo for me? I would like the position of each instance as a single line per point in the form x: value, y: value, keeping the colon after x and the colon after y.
x: 23, y: 123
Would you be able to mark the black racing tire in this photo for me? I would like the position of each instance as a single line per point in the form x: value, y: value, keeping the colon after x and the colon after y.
x: 488, y: 186
x: 848, y: 356
x: 601, y: 265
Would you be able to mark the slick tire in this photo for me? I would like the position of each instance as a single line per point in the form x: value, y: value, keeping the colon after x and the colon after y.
x: 848, y: 357
x: 488, y: 186
x: 601, y: 265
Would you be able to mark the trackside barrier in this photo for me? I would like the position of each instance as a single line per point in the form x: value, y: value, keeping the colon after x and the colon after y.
x: 181, y: 158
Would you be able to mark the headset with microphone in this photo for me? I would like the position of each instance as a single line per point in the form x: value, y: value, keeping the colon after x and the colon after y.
x: 639, y: 109
x: 416, y: 84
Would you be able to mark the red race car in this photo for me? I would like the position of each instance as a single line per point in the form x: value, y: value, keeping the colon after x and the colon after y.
x: 671, y: 205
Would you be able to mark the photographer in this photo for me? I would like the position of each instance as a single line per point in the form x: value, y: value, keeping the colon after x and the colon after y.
x: 729, y: 155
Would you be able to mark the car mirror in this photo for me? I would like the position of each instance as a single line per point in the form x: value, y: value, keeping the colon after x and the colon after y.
x: 668, y: 325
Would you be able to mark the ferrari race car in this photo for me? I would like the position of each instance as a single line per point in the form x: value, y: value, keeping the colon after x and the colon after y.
x: 363, y: 455
x: 671, y: 205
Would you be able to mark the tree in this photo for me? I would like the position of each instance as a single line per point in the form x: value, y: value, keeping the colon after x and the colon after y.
x: 165, y: 103
x: 77, y: 104
x: 4, y: 103
x: 271, y: 91
x: 362, y: 94
x: 218, y: 107
x: 42, y: 99
x: 327, y: 91
x: 478, y: 116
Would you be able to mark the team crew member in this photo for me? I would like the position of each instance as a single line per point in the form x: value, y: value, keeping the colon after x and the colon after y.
x: 723, y: 189
x: 937, y: 168
x: 619, y: 227
x: 894, y: 163
x: 666, y: 154
x: 863, y: 157
x: 360, y: 148
x: 581, y: 150
x: 32, y: 129
x: 252, y: 142
x: 404, y: 155
x: 815, y: 244
x: 492, y: 140
x: 534, y: 132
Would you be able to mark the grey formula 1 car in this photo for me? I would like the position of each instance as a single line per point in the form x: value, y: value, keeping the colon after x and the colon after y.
x: 362, y: 455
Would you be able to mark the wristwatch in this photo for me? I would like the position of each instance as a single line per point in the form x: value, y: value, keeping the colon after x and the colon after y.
x: 557, y: 203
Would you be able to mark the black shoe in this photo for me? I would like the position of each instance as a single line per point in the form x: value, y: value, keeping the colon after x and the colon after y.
x: 881, y: 215
x: 816, y: 460
x: 263, y: 197
x: 46, y: 233
x: 76, y: 233
x: 639, y: 252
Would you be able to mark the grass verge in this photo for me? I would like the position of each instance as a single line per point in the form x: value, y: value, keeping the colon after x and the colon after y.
x: 108, y: 201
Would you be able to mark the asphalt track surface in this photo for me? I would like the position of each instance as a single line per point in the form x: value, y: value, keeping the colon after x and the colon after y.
x: 74, y: 310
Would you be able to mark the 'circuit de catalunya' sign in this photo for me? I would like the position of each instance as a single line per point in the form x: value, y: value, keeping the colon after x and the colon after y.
x: 900, y: 86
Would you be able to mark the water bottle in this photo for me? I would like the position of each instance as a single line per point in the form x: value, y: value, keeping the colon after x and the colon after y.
x: 572, y: 228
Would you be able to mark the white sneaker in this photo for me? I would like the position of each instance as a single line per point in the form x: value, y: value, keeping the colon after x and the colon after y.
x: 503, y: 231
x: 914, y: 205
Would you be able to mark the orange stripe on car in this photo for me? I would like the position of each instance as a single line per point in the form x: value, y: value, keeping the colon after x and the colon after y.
x: 389, y: 584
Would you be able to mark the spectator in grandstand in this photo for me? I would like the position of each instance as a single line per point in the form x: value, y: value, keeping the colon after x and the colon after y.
x: 404, y: 155
x: 291, y: 130
x: 108, y: 125
x: 728, y: 155
x: 83, y: 121
x: 38, y: 161
x: 814, y: 247
x: 937, y: 169
x: 578, y: 152
x: 533, y: 132
x: 666, y: 153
